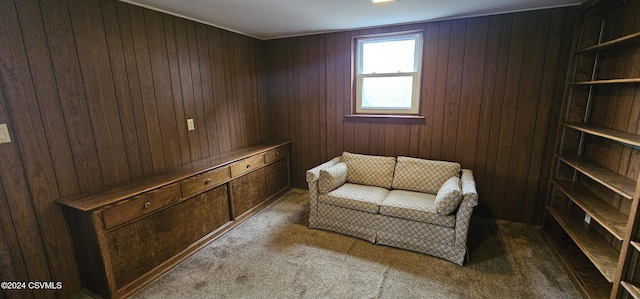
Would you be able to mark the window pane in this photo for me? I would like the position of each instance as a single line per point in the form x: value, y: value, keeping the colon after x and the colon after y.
x: 387, y: 92
x: 388, y: 56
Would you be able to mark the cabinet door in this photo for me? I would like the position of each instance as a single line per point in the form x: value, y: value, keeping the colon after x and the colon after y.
x: 247, y: 191
x: 277, y: 177
x: 142, y: 245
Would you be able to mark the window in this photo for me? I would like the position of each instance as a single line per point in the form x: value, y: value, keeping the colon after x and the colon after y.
x: 387, y: 71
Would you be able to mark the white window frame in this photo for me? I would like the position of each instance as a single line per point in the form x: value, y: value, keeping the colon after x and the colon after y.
x: 416, y: 74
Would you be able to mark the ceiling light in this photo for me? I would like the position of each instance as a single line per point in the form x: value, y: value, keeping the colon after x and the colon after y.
x: 381, y: 1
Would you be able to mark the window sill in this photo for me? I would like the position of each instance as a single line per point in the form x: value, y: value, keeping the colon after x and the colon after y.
x: 385, y: 117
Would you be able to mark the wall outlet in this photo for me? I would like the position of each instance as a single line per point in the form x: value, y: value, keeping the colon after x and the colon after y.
x: 587, y: 218
x: 190, y: 125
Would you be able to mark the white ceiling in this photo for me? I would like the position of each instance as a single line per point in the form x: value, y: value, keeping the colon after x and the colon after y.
x: 268, y: 19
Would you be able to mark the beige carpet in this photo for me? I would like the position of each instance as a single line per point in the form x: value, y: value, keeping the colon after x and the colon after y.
x: 275, y: 255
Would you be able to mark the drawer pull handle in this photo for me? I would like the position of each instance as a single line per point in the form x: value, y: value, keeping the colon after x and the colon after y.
x: 277, y: 153
x: 248, y: 165
x: 207, y: 181
x: 147, y: 205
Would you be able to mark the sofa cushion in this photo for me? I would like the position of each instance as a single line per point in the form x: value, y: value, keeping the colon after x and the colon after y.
x: 415, y: 206
x: 449, y: 196
x: 357, y: 197
x: 422, y: 175
x: 332, y: 177
x: 369, y: 170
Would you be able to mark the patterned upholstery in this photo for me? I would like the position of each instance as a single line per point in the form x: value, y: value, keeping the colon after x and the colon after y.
x: 399, y: 218
x: 451, y: 253
x: 369, y: 170
x: 449, y: 196
x: 422, y: 233
x: 421, y: 175
x: 332, y: 177
x: 355, y: 223
x: 415, y: 206
x: 356, y: 197
x: 313, y: 175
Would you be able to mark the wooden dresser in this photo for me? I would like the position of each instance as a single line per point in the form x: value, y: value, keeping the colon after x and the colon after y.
x: 127, y: 235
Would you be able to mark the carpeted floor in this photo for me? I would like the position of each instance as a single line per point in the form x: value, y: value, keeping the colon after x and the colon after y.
x: 275, y: 255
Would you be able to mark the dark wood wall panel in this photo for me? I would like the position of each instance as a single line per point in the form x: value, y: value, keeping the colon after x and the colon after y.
x: 98, y: 92
x: 491, y: 92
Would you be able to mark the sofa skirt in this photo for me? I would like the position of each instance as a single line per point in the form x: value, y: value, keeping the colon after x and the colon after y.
x: 355, y: 223
x: 444, y: 251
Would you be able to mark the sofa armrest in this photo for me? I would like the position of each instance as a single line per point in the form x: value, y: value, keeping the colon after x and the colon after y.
x: 313, y: 175
x: 469, y: 191
x: 332, y: 178
x: 469, y: 201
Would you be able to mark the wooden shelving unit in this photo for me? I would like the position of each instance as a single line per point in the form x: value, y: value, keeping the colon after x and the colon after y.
x: 617, y: 42
x: 580, y: 269
x: 604, y: 132
x: 633, y: 290
x: 608, y: 81
x: 607, y: 216
x: 592, y: 208
x: 598, y: 251
x: 610, y: 179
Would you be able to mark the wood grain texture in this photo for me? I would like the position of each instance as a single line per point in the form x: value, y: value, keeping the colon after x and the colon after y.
x: 35, y: 159
x: 490, y: 88
x: 100, y: 91
x: 97, y: 93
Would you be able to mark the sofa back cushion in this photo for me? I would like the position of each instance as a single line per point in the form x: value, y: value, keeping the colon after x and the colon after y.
x: 449, y: 196
x: 369, y: 170
x: 422, y: 175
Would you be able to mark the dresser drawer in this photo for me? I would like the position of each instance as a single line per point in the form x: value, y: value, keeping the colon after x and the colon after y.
x: 140, y: 205
x: 247, y: 165
x: 276, y: 154
x: 204, y: 181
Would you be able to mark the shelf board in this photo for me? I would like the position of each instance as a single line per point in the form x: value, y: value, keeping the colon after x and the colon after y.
x: 620, y: 136
x: 607, y: 177
x: 587, y: 279
x: 621, y: 41
x: 608, y: 81
x: 633, y: 290
x: 597, y: 250
x: 610, y: 218
x: 635, y: 245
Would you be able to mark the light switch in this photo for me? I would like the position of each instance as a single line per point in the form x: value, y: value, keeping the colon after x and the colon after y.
x: 190, y: 126
x: 4, y: 134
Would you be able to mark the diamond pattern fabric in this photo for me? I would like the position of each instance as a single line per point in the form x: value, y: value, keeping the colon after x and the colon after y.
x: 407, y: 217
x: 356, y: 197
x: 453, y: 254
x: 415, y: 206
x: 332, y: 177
x: 421, y: 175
x: 469, y: 187
x: 312, y: 177
x: 423, y: 233
x: 369, y: 170
x: 347, y: 221
x: 449, y: 196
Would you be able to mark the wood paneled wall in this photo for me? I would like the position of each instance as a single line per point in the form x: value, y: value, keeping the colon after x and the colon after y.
x: 491, y: 93
x: 97, y: 92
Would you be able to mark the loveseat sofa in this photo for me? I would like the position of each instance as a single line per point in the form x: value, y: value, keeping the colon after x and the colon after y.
x: 410, y: 203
